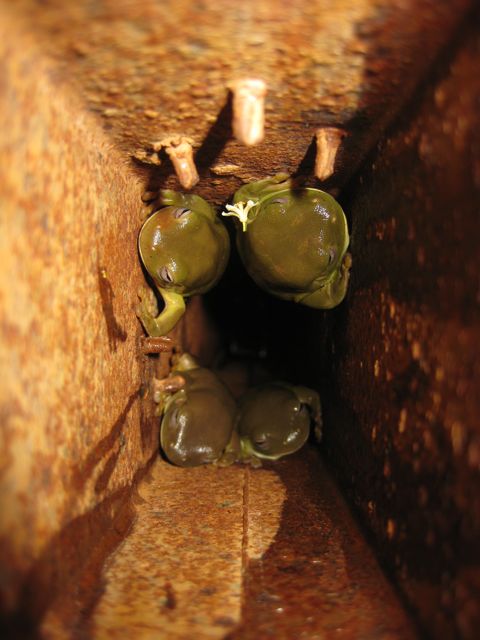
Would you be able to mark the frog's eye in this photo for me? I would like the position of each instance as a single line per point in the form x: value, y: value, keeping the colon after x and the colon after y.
x: 332, y: 254
x: 180, y: 211
x: 260, y: 441
x: 165, y: 275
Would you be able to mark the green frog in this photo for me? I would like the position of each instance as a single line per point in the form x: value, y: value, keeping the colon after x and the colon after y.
x: 184, y: 248
x: 274, y: 420
x: 202, y: 424
x: 293, y: 241
x: 198, y: 415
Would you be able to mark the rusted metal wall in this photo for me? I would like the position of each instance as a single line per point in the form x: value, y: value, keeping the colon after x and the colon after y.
x: 156, y: 68
x: 73, y: 431
x: 404, y: 431
x: 84, y: 88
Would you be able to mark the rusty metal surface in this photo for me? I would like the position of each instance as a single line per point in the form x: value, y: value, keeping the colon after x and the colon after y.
x: 152, y: 69
x: 241, y: 553
x: 77, y: 421
x: 404, y: 429
x: 318, y: 578
x: 73, y: 430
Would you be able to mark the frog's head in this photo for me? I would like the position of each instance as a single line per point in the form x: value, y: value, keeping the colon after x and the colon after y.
x: 273, y: 422
x: 317, y: 227
x: 183, y: 249
x: 195, y: 429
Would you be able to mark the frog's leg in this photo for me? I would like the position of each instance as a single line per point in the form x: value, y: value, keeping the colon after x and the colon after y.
x: 332, y: 293
x: 167, y: 197
x: 232, y: 452
x: 247, y: 455
x: 256, y: 190
x: 171, y: 384
x: 312, y: 400
x: 147, y: 310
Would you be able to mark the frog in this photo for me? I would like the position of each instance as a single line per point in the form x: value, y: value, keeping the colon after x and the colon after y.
x: 198, y: 415
x: 293, y: 241
x: 184, y: 248
x: 274, y: 420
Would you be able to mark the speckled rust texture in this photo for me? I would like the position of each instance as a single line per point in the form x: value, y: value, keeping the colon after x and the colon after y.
x: 318, y: 578
x: 241, y: 553
x: 403, y: 424
x: 156, y: 68
x: 73, y: 431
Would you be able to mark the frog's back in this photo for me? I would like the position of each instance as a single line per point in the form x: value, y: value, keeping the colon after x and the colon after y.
x: 205, y: 428
x: 273, y: 404
x: 296, y: 239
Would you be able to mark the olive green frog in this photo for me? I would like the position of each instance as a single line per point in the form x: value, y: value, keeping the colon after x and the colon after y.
x: 293, y: 241
x: 184, y: 248
x: 274, y: 420
x: 198, y: 414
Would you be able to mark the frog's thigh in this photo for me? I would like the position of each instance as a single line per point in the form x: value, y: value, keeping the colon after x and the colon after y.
x: 331, y: 294
x: 311, y: 399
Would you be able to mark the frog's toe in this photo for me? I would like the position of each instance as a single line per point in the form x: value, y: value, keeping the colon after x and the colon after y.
x: 347, y: 261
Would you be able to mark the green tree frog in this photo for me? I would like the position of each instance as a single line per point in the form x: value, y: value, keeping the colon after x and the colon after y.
x: 198, y: 414
x: 185, y: 249
x: 274, y: 420
x: 293, y: 241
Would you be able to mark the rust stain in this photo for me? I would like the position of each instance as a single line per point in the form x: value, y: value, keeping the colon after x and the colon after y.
x: 170, y: 598
x: 115, y: 332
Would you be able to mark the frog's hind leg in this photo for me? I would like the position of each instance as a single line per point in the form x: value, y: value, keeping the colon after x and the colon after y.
x: 311, y: 398
x: 332, y: 293
x: 155, y: 324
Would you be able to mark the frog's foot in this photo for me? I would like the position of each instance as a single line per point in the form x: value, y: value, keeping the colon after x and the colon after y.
x: 226, y: 459
x: 147, y: 311
x: 172, y: 384
x: 252, y: 461
x: 246, y: 454
x: 232, y: 452
x: 161, y: 400
x: 346, y: 265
